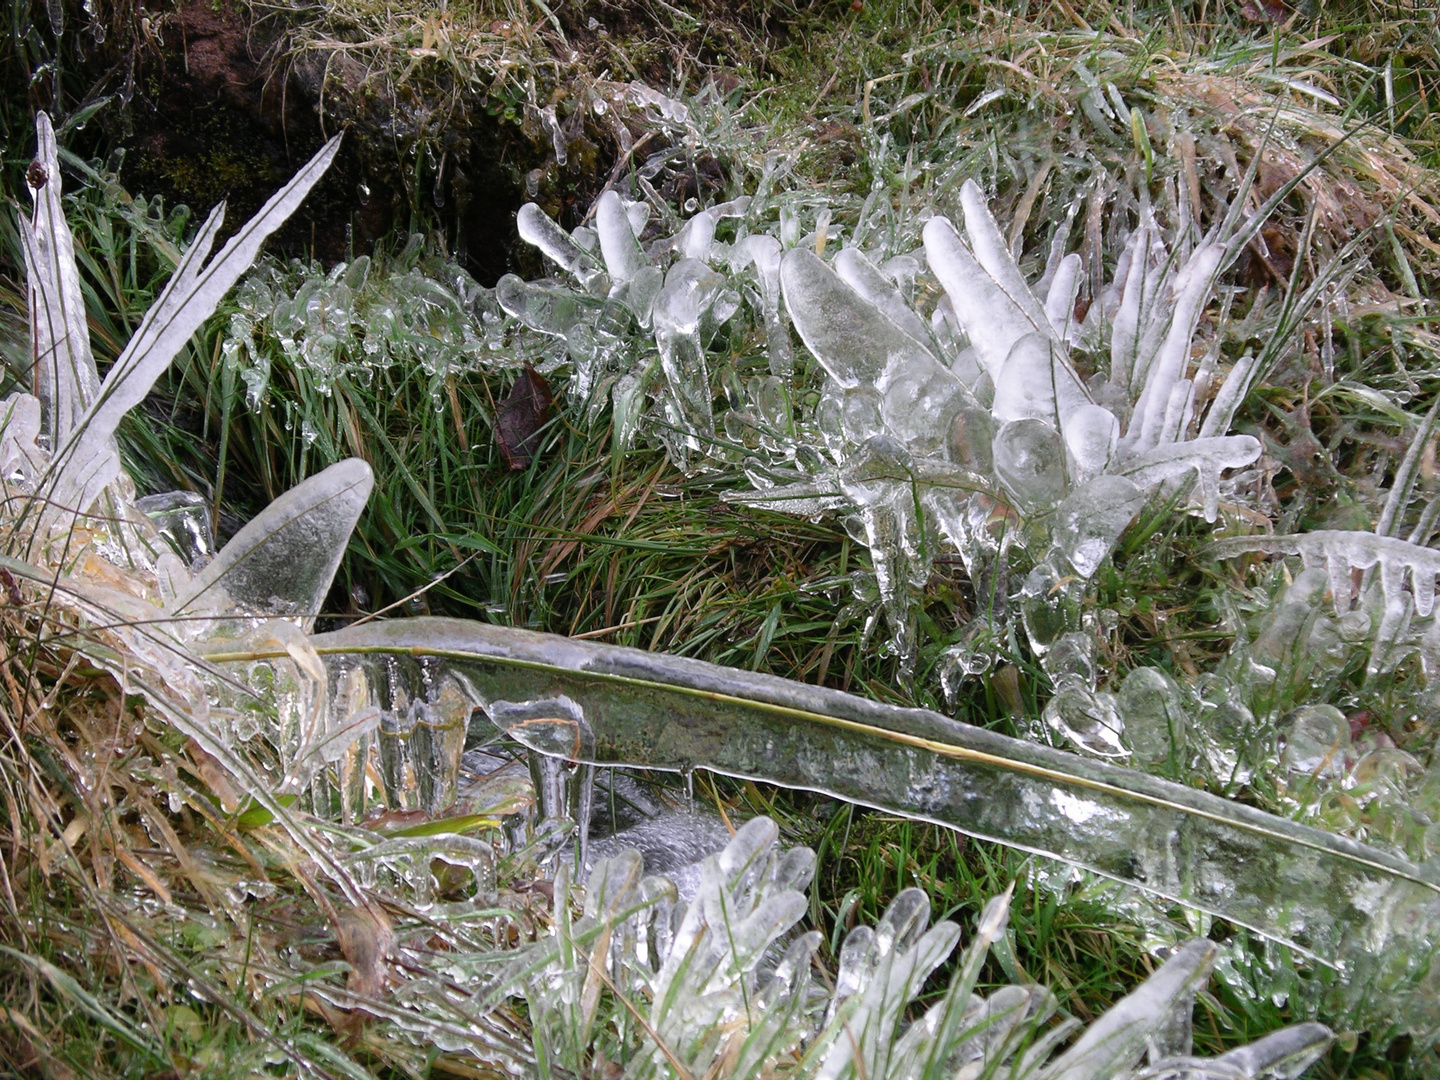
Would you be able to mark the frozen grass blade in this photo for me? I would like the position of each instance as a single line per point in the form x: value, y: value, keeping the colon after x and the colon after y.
x: 611, y: 706
x: 65, y: 379
x: 87, y: 460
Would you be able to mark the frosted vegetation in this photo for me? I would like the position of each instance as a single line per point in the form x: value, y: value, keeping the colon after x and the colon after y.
x: 941, y: 403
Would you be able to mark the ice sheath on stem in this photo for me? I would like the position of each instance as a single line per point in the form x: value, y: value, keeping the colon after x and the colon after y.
x: 1337, y: 901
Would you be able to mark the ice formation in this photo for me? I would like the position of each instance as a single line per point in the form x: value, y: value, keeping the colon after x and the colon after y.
x: 723, y: 986
x: 973, y: 427
x: 381, y: 714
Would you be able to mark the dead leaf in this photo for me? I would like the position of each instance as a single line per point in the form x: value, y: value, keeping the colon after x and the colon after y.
x: 521, y: 416
x: 1265, y: 11
x: 365, y: 937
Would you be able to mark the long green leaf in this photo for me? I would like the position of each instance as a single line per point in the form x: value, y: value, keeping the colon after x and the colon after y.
x: 1334, y: 899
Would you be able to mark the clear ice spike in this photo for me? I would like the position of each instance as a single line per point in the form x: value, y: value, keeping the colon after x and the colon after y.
x: 87, y: 461
x: 538, y: 229
x: 866, y: 279
x: 1114, y: 1043
x: 991, y: 317
x: 854, y: 341
x: 281, y: 564
x: 992, y: 252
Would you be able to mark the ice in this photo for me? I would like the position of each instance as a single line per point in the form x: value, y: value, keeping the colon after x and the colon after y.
x: 1091, y: 436
x: 992, y: 319
x: 672, y: 843
x: 696, y: 237
x: 1088, y: 718
x: 280, y: 565
x: 725, y: 986
x: 763, y: 252
x: 1030, y: 462
x: 1037, y: 381
x: 183, y: 518
x: 1317, y: 738
x: 86, y: 461
x: 1060, y: 299
x: 1091, y: 519
x: 1156, y: 720
x: 22, y: 459
x: 691, y: 290
x: 549, y: 310
x: 983, y: 397
x: 623, y: 257
x: 652, y: 711
x: 1192, y: 285
x: 992, y: 253
x: 536, y: 227
x: 1050, y: 601
x: 1206, y: 458
x: 64, y: 375
x: 861, y: 275
x: 1117, y: 1040
x: 852, y: 338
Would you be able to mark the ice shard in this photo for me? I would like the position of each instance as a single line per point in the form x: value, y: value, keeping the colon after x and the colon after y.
x: 86, y: 461
x: 618, y: 244
x: 281, y: 564
x: 853, y: 339
x: 537, y: 227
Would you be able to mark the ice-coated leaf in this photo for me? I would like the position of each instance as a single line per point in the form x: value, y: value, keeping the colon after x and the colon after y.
x: 21, y: 457
x: 1282, y: 1054
x: 536, y: 227
x: 853, y: 339
x: 1060, y: 300
x: 1167, y: 367
x: 993, y: 319
x: 862, y: 275
x: 65, y: 380
x: 992, y: 252
x: 1115, y: 1042
x: 1279, y: 877
x: 281, y: 564
x: 87, y: 461
x: 623, y: 257
x: 1206, y: 458
x: 1037, y: 381
x: 1228, y: 398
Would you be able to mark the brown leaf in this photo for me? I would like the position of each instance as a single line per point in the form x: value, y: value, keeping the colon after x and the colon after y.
x: 365, y: 937
x: 1265, y: 11
x: 521, y: 416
